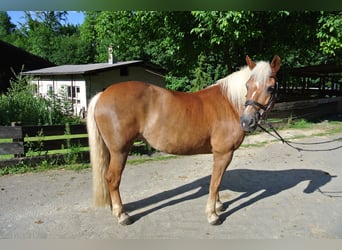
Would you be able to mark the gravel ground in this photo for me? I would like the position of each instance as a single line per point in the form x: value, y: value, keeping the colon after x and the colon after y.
x: 269, y: 191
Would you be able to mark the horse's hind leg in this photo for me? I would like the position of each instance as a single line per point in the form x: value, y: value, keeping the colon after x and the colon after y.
x: 116, y: 167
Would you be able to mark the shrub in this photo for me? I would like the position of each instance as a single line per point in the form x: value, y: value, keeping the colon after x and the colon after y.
x: 21, y: 103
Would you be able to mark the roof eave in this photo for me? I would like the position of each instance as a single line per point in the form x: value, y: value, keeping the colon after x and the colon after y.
x: 81, y: 72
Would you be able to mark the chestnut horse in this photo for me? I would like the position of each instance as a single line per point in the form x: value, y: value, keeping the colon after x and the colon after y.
x: 213, y: 120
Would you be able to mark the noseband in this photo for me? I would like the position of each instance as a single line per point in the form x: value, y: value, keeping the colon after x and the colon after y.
x: 266, y: 108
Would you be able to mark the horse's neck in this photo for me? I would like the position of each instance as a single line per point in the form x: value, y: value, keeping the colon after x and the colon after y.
x: 215, y: 93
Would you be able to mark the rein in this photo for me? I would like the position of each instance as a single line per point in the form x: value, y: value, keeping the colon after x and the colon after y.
x: 291, y: 143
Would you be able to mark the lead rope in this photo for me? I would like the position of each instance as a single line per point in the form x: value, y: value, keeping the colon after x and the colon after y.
x: 290, y: 143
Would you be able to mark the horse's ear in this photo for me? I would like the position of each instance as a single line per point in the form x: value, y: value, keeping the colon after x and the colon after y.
x: 275, y: 64
x: 250, y: 63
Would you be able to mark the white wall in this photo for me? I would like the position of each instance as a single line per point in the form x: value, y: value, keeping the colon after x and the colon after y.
x: 60, y: 85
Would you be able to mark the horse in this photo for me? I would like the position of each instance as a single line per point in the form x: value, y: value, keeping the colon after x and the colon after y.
x: 212, y: 120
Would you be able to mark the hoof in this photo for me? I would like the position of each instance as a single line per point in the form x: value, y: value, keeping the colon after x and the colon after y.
x: 214, y: 220
x: 125, y: 220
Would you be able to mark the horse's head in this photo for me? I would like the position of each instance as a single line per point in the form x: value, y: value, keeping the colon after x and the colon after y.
x: 261, y: 92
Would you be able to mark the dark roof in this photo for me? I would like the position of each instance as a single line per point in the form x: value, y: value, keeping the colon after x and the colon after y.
x: 85, y: 69
x: 17, y: 59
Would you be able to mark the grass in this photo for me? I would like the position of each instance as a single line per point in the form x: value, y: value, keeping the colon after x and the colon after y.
x: 324, y: 128
x: 42, y: 167
x: 137, y: 161
x: 47, y: 165
x: 301, y: 124
x: 327, y: 127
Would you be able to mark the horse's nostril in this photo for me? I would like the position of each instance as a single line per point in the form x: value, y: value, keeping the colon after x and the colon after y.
x: 252, y: 122
x: 248, y: 123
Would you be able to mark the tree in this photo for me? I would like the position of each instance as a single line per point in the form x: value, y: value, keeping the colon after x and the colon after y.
x: 44, y: 34
x: 196, y: 47
x: 163, y: 38
x: 39, y: 30
x: 6, y: 27
x: 228, y: 32
x: 88, y: 34
x: 329, y: 34
x: 292, y: 35
x: 203, y: 46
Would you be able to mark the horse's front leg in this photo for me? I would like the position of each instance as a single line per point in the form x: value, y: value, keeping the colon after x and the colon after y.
x: 221, y: 162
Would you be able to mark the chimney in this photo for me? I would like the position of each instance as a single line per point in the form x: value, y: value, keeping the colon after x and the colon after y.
x: 111, y: 59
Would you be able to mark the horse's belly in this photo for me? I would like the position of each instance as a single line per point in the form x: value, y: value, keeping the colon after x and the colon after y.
x: 186, y: 145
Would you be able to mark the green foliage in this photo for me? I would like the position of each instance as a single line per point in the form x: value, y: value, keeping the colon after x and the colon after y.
x: 6, y: 27
x: 36, y: 147
x: 59, y: 109
x: 229, y: 27
x: 330, y: 34
x: 45, y: 165
x: 20, y: 168
x: 160, y: 37
x: 21, y: 104
x: 181, y: 83
x: 196, y: 47
x: 207, y: 72
x: 300, y: 124
x: 74, y: 151
x: 43, y: 34
x: 201, y: 74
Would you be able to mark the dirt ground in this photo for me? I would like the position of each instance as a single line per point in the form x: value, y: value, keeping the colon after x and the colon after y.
x: 269, y: 191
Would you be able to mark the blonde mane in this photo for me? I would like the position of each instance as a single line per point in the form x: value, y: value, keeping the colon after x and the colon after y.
x: 261, y: 72
x: 234, y: 85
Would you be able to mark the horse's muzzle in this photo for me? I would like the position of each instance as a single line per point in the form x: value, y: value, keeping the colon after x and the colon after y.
x: 249, y: 122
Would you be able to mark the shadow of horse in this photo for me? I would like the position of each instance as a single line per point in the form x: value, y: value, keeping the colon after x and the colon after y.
x: 246, y: 181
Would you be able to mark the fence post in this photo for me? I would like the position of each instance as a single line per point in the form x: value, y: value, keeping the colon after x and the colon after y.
x: 339, y: 105
x: 18, y: 124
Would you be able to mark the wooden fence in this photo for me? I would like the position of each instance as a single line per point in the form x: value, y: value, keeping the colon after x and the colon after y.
x: 18, y: 142
x: 307, y: 109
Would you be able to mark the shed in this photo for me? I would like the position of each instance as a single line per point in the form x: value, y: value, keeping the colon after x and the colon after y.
x: 81, y: 82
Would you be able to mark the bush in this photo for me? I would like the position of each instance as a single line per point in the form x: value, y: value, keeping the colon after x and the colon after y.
x: 20, y: 104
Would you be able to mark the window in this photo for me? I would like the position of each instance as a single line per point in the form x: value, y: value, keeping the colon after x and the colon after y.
x: 49, y: 89
x: 72, y: 91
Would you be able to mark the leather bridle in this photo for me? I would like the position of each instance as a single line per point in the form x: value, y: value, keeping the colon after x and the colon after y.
x: 265, y: 108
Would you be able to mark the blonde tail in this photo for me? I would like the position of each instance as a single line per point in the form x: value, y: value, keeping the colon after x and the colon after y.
x: 99, y: 157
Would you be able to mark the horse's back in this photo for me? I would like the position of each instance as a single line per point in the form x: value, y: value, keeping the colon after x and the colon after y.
x: 127, y: 97
x: 127, y: 91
